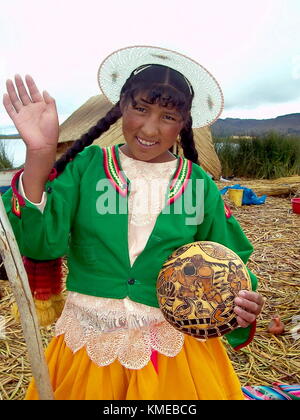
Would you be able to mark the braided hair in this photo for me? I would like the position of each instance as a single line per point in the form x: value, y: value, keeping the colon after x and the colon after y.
x: 187, y: 142
x: 86, y: 139
x: 159, y: 84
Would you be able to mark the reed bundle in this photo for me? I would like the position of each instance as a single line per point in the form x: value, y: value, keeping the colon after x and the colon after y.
x: 277, y: 187
x: 274, y: 232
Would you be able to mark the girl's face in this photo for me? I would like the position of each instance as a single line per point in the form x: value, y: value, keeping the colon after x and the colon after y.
x: 150, y: 130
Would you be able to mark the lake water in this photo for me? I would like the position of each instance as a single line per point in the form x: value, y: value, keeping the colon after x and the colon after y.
x: 15, y: 148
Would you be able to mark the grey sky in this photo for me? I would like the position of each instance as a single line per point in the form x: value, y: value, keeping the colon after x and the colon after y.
x: 252, y: 48
x: 273, y: 83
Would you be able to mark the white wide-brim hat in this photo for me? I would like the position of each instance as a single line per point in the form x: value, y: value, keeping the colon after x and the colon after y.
x: 208, y: 102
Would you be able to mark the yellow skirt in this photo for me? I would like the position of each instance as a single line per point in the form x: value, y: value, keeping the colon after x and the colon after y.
x: 201, y: 371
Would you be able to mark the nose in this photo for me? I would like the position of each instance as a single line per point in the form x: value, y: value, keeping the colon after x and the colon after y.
x: 150, y: 128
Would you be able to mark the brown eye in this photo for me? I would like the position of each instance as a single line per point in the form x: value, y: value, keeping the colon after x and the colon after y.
x: 140, y: 109
x: 170, y: 118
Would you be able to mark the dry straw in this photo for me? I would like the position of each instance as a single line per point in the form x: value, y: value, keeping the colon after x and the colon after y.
x: 274, y: 232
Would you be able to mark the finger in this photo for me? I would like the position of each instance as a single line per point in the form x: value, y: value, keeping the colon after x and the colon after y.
x: 246, y: 316
x: 248, y: 294
x: 48, y: 99
x: 252, y: 296
x: 248, y: 305
x: 242, y: 323
x: 17, y: 104
x: 33, y: 90
x: 23, y: 94
x: 8, y: 106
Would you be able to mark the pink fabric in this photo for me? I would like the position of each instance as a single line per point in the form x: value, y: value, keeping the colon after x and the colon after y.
x: 154, y: 360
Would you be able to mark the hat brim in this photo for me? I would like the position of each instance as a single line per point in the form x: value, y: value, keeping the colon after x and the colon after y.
x: 208, y: 102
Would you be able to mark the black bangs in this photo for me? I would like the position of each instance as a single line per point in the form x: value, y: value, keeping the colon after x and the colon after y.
x: 161, y: 85
x: 164, y: 95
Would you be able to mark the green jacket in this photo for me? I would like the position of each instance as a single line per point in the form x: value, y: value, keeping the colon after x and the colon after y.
x: 96, y: 244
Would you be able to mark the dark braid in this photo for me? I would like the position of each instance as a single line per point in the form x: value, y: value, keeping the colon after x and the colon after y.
x: 187, y: 142
x: 86, y: 139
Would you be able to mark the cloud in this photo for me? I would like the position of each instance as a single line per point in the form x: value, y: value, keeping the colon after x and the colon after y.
x: 250, y: 47
x: 274, y: 82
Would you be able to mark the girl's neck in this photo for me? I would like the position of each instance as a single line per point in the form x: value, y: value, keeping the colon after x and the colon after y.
x: 164, y: 159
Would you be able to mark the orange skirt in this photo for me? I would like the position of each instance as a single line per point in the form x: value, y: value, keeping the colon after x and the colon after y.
x: 201, y: 371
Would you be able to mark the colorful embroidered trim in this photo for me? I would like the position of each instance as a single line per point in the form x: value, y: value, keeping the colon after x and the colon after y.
x: 180, y: 180
x: 17, y: 201
x: 113, y: 171
x: 228, y: 212
x: 15, y: 206
x: 53, y: 174
x: 14, y: 188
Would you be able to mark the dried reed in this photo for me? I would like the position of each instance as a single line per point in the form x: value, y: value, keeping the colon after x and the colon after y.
x: 274, y: 232
x: 276, y: 187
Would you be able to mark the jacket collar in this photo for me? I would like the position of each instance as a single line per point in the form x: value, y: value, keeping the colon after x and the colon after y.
x: 120, y: 182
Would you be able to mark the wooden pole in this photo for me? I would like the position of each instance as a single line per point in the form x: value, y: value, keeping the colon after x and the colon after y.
x: 19, y: 283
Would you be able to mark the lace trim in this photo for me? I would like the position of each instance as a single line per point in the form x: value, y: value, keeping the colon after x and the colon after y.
x: 113, y: 329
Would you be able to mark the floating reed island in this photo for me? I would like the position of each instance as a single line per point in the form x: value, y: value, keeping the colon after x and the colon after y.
x: 274, y: 232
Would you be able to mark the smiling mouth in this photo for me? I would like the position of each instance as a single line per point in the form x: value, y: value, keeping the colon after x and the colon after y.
x: 145, y: 143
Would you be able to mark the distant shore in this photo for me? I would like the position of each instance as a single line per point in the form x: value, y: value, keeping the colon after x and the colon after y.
x: 14, y: 147
x: 9, y: 136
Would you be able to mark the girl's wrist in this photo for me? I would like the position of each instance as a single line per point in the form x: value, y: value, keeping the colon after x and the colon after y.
x: 44, y: 151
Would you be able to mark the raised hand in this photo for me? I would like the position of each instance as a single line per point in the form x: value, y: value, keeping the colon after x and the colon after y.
x: 34, y: 115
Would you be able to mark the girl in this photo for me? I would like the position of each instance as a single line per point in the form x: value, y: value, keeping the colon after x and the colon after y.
x: 113, y: 212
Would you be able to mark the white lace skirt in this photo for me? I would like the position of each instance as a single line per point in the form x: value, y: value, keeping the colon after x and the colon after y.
x: 116, y: 329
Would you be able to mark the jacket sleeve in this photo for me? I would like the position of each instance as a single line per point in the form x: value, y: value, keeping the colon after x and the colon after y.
x: 41, y: 204
x: 45, y: 235
x: 221, y: 227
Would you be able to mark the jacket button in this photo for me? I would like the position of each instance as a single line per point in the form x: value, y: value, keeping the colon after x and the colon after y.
x: 131, y: 281
x: 49, y: 189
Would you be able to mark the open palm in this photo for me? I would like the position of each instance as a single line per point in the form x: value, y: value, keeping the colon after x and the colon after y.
x: 35, y: 116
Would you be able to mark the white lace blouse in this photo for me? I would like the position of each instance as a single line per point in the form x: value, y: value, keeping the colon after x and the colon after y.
x: 120, y: 329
